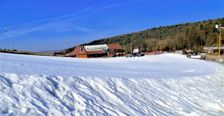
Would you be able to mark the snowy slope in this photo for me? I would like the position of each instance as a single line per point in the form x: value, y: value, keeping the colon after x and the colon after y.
x: 167, y: 84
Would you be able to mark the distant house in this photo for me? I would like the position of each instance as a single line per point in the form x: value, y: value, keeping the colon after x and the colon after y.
x: 212, y: 53
x: 213, y: 49
x: 103, y: 50
x: 115, y: 50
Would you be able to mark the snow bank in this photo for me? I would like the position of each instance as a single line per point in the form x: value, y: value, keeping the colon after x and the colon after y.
x: 160, y: 66
x: 166, y: 84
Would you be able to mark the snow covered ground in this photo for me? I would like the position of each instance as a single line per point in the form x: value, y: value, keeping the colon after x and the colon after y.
x: 167, y: 84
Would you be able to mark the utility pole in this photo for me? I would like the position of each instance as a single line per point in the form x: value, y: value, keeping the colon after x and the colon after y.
x: 66, y: 43
x: 66, y: 49
x: 219, y: 28
x: 220, y: 43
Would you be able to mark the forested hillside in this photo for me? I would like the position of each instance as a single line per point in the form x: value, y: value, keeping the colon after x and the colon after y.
x: 170, y: 38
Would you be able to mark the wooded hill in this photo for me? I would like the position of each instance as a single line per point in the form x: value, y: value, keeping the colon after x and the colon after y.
x: 169, y: 38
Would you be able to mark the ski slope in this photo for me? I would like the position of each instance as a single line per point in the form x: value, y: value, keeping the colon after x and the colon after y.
x: 167, y: 84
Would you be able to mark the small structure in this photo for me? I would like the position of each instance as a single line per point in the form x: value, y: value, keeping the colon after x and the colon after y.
x: 213, y: 49
x: 136, y: 53
x: 212, y: 53
x: 103, y: 50
x: 115, y: 50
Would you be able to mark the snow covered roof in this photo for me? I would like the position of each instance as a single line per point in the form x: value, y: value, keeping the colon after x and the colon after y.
x: 212, y: 48
x: 81, y: 50
x: 96, y: 47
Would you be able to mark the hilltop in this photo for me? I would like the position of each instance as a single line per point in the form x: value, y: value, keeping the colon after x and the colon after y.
x: 194, y: 35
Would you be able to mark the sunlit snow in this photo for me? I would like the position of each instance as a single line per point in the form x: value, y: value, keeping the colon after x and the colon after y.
x: 167, y: 84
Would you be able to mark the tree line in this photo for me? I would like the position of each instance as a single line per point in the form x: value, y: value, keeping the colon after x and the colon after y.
x: 192, y: 36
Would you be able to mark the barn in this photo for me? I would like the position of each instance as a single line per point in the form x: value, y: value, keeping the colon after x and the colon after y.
x: 103, y: 50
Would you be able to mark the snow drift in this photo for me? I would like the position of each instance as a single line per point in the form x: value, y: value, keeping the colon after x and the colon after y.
x: 167, y: 84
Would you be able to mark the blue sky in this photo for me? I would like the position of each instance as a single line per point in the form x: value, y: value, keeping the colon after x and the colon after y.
x: 41, y: 25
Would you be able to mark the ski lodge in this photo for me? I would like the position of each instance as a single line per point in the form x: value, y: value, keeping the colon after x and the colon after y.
x: 93, y: 51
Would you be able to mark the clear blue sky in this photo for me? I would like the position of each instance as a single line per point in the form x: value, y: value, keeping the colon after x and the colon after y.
x: 41, y: 25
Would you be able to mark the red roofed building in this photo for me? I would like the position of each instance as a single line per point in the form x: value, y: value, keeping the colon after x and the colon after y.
x: 103, y: 50
x: 115, y: 50
x: 80, y: 52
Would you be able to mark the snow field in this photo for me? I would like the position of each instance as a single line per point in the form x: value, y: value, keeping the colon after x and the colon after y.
x: 125, y: 86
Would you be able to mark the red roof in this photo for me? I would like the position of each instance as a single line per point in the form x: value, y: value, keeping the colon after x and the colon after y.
x: 114, y: 47
x: 79, y: 50
x: 96, y: 52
